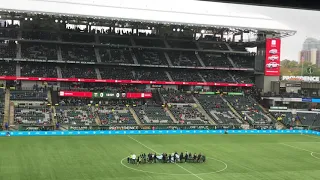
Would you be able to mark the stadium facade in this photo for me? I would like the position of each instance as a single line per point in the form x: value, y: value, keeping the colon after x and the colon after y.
x: 125, y: 55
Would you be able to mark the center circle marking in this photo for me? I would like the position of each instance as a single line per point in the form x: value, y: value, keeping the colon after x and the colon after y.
x: 172, y: 174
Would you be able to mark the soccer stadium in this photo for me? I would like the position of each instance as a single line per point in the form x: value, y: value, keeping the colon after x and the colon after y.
x: 119, y: 90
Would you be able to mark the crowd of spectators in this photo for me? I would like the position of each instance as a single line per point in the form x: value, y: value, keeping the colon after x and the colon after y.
x: 176, y: 96
x: 120, y: 55
x: 151, y: 75
x: 188, y: 114
x: 217, y: 76
x: 213, y: 46
x: 185, y: 75
x: 181, y: 58
x: 249, y: 109
x: 78, y: 72
x: 78, y: 37
x: 243, y: 61
x: 117, y: 73
x: 39, y: 51
x: 182, y: 44
x: 38, y: 70
x: 218, y: 109
x: 150, y: 57
x: 78, y: 53
x: 149, y: 42
x: 32, y: 116
x: 152, y: 114
x: 8, y: 49
x: 39, y: 35
x: 115, y: 40
x: 215, y: 59
x: 7, y: 68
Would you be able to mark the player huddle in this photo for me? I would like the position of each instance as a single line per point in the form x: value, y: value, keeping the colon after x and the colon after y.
x: 166, y: 158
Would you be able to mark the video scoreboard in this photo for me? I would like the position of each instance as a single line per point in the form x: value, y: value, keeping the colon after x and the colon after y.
x: 106, y: 95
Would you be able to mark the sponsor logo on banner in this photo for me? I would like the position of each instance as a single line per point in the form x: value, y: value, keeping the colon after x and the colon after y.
x: 272, y: 61
x: 301, y: 78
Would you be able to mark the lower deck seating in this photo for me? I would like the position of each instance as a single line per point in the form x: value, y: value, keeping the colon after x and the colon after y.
x: 34, y: 95
x: 187, y: 114
x: 32, y: 115
x: 119, y: 115
x: 75, y: 115
x: 152, y: 114
x: 218, y: 109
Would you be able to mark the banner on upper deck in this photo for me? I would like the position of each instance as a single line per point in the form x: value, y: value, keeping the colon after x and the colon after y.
x: 272, y: 61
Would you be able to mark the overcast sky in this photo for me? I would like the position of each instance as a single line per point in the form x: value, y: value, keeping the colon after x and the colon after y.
x: 306, y: 23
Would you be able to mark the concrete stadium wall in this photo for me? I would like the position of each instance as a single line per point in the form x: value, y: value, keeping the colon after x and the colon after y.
x: 155, y: 132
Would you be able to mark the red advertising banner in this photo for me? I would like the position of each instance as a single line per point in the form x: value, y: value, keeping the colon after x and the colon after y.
x: 124, y: 81
x: 75, y: 94
x: 146, y: 95
x: 272, y: 63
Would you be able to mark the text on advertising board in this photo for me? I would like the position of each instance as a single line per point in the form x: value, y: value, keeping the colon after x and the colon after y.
x: 301, y: 78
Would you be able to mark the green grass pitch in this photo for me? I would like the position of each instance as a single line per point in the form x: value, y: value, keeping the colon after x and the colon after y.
x: 234, y: 157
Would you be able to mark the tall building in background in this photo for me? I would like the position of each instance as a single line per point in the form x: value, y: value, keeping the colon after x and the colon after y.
x: 310, y: 51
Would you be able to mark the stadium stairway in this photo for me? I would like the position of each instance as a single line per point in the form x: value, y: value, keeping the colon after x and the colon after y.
x: 136, y: 118
x: 96, y: 38
x: 166, y: 44
x: 204, y: 112
x: 230, y: 49
x: 18, y: 70
x: 169, y: 76
x: 168, y: 58
x: 231, y: 62
x: 59, y: 72
x: 133, y: 56
x: 233, y: 109
x: 199, y: 58
x: 97, y: 117
x: 201, y: 77
x: 133, y: 43
x: 52, y: 108
x: 97, y: 53
x: 267, y: 114
x: 171, y: 115
x: 98, y: 73
x: 6, y: 106
x: 298, y: 122
x: 11, y: 117
x: 59, y: 53
x: 18, y: 55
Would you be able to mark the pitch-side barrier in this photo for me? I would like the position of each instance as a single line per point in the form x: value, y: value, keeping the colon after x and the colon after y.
x: 151, y: 132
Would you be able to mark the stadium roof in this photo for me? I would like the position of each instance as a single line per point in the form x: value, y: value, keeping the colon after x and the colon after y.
x: 184, y: 12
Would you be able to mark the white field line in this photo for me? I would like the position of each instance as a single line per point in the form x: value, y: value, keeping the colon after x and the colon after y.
x: 296, y: 147
x: 312, y: 136
x: 311, y: 152
x: 159, y: 153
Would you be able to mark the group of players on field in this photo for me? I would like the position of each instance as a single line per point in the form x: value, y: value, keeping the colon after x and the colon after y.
x: 166, y: 158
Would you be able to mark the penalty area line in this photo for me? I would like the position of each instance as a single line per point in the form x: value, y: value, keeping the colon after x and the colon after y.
x: 311, y: 152
x: 159, y: 153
